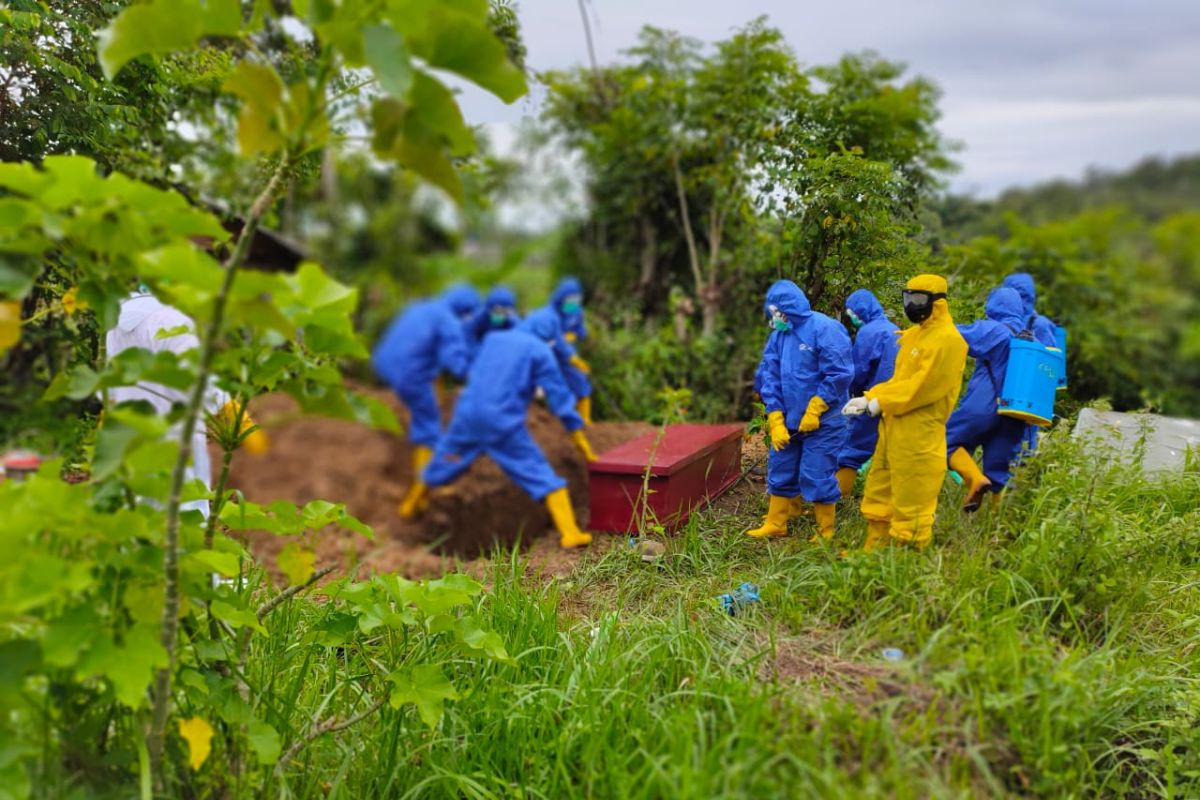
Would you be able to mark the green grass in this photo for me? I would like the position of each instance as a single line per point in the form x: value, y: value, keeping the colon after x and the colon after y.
x: 1050, y: 650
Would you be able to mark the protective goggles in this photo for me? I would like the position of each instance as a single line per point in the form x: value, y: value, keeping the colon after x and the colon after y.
x: 920, y: 299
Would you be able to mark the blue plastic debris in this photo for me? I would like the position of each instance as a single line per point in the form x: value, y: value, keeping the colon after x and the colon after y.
x: 892, y: 654
x: 744, y: 595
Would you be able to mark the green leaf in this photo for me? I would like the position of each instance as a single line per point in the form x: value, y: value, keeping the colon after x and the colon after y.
x: 434, y: 114
x: 479, y: 641
x: 260, y: 122
x: 427, y: 687
x: 388, y: 58
x: 297, y: 563
x: 225, y: 564
x: 67, y: 637
x: 237, y: 617
x: 264, y: 740
x: 77, y: 384
x: 164, y: 26
x: 128, y: 667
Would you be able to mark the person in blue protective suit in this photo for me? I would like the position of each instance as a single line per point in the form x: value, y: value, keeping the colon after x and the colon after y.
x: 1043, y: 329
x: 489, y: 419
x: 805, y: 373
x: 875, y: 348
x: 426, y: 339
x: 498, y: 313
x: 567, y: 304
x: 976, y: 423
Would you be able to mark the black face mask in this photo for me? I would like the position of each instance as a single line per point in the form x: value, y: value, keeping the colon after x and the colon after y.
x: 918, y: 305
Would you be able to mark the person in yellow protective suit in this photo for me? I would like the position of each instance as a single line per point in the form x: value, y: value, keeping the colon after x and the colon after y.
x: 909, y: 464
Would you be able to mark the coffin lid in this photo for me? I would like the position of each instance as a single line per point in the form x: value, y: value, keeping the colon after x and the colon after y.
x: 681, y: 445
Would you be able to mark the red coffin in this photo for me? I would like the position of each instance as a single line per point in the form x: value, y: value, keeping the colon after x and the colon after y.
x: 689, y: 467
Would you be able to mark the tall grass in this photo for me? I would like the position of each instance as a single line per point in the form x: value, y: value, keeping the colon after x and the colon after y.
x: 1049, y: 649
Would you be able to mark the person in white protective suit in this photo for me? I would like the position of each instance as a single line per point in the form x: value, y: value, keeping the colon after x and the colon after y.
x: 141, y: 319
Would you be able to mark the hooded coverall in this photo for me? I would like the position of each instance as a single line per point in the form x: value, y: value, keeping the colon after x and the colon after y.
x: 483, y: 324
x: 805, y: 369
x: 875, y: 347
x: 1043, y: 330
x: 427, y: 338
x: 573, y: 330
x: 489, y: 418
x: 975, y: 422
x: 909, y: 464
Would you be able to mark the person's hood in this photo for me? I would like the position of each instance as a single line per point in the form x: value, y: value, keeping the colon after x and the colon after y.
x: 788, y: 298
x: 136, y: 308
x: 566, y: 287
x: 1022, y: 282
x: 865, y: 305
x: 542, y: 323
x: 1006, y: 306
x: 500, y: 296
x: 462, y: 299
x: 937, y: 285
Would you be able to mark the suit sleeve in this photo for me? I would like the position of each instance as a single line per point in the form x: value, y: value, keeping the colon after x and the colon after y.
x: 453, y: 353
x: 836, y: 362
x: 559, y: 399
x: 937, y: 374
x: 770, y: 389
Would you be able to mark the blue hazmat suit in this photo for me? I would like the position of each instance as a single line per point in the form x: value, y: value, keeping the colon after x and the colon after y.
x: 501, y: 297
x: 976, y: 423
x: 1043, y: 329
x: 574, y: 329
x: 489, y: 418
x: 812, y: 357
x: 427, y: 338
x: 875, y: 348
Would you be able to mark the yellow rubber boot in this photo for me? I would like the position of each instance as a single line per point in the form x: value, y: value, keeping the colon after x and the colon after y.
x: 824, y: 514
x: 416, y: 499
x: 877, y: 535
x: 977, y: 483
x: 776, y: 520
x: 558, y: 503
x: 584, y: 407
x: 846, y: 476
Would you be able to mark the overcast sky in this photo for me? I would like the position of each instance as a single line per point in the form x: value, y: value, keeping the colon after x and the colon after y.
x: 1034, y: 89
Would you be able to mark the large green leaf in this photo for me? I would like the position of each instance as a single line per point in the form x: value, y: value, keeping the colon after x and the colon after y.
x: 128, y: 666
x: 261, y: 123
x: 164, y: 26
x: 424, y: 685
x: 388, y: 58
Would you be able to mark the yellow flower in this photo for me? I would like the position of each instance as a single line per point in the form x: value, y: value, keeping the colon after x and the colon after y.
x: 71, y: 303
x: 10, y: 324
x: 198, y: 734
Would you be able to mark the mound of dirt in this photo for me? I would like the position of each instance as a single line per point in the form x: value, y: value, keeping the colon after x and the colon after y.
x: 368, y: 470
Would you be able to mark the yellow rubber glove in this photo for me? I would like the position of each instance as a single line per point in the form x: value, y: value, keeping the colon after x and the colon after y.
x: 581, y: 441
x: 778, y: 430
x: 579, y: 364
x: 570, y: 336
x: 812, y: 415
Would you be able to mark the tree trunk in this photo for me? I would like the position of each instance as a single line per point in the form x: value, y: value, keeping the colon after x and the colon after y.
x: 710, y: 325
x: 648, y: 259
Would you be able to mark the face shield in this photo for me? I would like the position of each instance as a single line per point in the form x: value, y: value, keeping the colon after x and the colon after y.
x: 779, y: 320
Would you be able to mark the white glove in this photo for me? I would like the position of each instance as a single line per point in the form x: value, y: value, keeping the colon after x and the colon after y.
x: 861, y: 405
x: 856, y: 407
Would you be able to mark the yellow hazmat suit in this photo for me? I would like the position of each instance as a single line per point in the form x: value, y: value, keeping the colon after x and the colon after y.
x: 909, y: 464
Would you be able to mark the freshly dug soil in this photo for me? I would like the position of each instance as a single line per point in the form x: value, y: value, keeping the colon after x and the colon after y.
x: 369, y: 470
